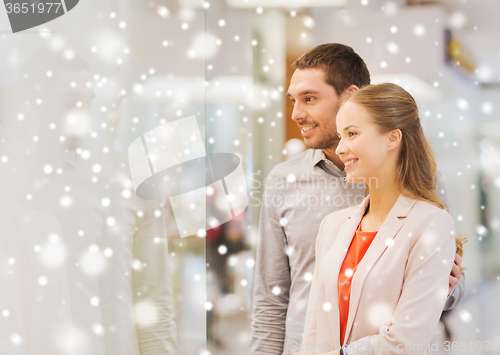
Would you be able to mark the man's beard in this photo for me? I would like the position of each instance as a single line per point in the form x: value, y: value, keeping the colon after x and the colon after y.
x: 324, y: 142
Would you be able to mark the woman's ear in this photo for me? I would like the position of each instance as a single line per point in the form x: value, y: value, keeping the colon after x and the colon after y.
x: 394, y: 139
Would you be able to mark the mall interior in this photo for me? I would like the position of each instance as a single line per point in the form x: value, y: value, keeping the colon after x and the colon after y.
x: 228, y: 64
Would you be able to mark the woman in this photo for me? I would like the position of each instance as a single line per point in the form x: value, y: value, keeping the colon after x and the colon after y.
x: 381, y: 274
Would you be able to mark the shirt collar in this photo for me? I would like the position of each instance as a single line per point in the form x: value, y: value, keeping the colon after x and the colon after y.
x: 317, y: 156
x: 319, y: 159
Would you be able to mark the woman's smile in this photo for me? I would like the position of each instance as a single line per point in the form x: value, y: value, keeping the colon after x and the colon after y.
x: 349, y: 162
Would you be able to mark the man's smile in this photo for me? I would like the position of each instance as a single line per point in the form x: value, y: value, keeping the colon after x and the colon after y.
x: 307, y: 130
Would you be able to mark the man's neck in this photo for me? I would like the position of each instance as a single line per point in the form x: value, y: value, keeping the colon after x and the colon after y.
x: 334, y: 158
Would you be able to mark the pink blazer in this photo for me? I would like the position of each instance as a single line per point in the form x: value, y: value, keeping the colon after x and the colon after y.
x: 399, y: 289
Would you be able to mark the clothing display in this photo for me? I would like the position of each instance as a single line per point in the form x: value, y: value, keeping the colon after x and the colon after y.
x: 119, y: 281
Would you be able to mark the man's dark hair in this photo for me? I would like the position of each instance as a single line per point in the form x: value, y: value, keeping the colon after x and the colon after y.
x: 342, y: 66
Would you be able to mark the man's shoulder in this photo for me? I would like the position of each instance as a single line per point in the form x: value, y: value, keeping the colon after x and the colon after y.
x: 296, y: 165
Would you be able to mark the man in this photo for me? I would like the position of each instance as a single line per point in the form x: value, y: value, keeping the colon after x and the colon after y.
x: 300, y: 192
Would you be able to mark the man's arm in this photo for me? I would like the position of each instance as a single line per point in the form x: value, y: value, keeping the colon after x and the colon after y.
x: 457, y: 284
x: 272, y: 279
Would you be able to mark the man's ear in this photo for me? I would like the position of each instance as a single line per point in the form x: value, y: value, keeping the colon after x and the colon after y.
x: 394, y: 139
x: 350, y: 89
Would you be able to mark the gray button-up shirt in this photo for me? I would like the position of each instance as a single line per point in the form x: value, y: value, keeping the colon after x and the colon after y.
x: 298, y: 194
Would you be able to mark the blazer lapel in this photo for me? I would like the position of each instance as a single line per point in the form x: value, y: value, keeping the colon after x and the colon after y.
x: 337, y: 255
x: 380, y: 243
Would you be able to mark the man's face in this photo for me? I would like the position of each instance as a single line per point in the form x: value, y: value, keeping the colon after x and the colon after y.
x: 315, y: 108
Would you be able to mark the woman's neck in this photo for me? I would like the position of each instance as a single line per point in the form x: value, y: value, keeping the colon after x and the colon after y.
x: 383, y: 196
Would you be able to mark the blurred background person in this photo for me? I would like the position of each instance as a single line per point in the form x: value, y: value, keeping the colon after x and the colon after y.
x: 117, y: 250
x: 35, y: 302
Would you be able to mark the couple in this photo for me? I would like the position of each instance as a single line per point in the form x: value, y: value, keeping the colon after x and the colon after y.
x: 385, y: 268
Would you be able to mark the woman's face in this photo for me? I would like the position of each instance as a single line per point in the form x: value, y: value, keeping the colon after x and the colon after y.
x: 362, y: 148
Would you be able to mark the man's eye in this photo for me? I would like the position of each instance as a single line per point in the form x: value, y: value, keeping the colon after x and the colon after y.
x: 309, y: 98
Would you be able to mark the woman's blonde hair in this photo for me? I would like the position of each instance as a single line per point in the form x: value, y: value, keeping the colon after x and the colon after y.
x: 391, y: 107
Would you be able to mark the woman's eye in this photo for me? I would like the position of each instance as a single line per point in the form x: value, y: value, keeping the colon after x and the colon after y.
x: 351, y: 134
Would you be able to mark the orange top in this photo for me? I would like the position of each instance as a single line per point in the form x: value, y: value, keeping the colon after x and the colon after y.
x: 359, y: 245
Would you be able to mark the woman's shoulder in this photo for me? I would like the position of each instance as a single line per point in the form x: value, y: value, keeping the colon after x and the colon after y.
x: 427, y: 210
x: 427, y: 216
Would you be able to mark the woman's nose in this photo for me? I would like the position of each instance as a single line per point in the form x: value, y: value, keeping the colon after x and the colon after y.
x: 340, y: 148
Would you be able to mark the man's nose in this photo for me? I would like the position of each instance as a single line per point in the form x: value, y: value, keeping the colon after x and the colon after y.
x: 298, y: 113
